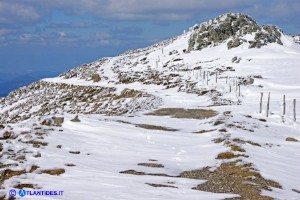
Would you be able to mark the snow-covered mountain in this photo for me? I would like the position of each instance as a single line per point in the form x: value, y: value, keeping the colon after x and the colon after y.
x: 177, y: 120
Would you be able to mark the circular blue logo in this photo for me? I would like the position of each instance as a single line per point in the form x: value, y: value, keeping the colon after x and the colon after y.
x: 22, y: 193
x: 12, y: 193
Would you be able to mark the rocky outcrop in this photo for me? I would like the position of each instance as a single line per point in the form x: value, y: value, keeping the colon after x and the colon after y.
x: 234, y: 29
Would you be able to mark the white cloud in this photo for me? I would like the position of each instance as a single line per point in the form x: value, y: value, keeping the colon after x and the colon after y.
x: 11, y: 12
x: 32, y: 10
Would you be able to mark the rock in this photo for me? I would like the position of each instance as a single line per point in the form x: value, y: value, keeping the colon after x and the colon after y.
x: 234, y: 59
x: 233, y: 27
x: 47, y: 122
x: 233, y: 43
x: 7, y: 135
x: 58, y: 121
x: 1, y: 126
x: 76, y: 119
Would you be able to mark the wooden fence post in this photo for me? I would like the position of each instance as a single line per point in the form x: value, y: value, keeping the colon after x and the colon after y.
x: 239, y: 90
x: 216, y: 76
x: 294, y: 109
x: 268, y: 106
x: 206, y: 78
x: 260, y: 104
x: 283, y: 113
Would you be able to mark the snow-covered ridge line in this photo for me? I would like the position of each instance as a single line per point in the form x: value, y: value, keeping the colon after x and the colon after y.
x: 129, y: 127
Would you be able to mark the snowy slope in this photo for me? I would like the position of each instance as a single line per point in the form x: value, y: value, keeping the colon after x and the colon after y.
x: 118, y: 151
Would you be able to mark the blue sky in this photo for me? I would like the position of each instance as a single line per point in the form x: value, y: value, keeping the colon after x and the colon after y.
x: 55, y: 35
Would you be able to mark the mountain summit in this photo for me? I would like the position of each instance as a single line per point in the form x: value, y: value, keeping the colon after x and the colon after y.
x: 233, y: 29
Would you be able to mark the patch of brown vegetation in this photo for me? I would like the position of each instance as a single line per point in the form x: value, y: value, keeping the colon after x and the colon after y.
x: 55, y: 172
x: 227, y: 155
x: 25, y: 185
x: 8, y: 173
x: 290, y: 139
x: 238, y: 127
x: 33, y: 168
x: 154, y: 165
x: 184, y: 113
x: 241, y: 141
x: 160, y: 185
x: 96, y: 78
x: 219, y: 140
x: 128, y: 93
x: 124, y: 122
x: 204, y: 131
x: 237, y: 148
x: 36, y: 144
x: 234, y: 179
x: 153, y: 127
x: 133, y: 172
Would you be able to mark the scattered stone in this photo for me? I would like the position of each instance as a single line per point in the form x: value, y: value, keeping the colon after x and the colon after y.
x: 47, y: 122
x: 74, y: 152
x: 6, y: 135
x: 218, y: 122
x: 234, y: 59
x: 58, y: 121
x: 38, y: 155
x: 294, y: 190
x: 59, y: 146
x: 22, y: 157
x: 160, y: 185
x: 70, y: 165
x: 76, y: 119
